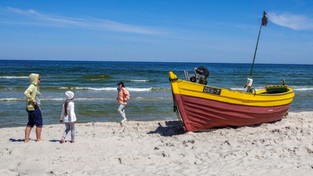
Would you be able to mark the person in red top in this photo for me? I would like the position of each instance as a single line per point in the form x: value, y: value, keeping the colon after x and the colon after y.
x: 122, y: 96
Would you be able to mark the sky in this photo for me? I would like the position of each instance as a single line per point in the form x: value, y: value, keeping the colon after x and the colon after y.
x: 210, y: 31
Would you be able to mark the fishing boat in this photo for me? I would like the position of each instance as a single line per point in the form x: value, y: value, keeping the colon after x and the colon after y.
x: 200, y: 106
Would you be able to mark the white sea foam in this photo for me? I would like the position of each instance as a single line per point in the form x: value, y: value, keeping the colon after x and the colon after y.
x: 299, y: 88
x: 295, y: 88
x: 97, y: 89
x: 139, y: 80
x: 14, y: 77
x: 89, y: 88
x: 52, y: 99
x: 58, y: 99
x: 237, y: 88
x: 107, y: 89
x: 86, y: 99
x: 243, y: 89
x: 10, y: 99
x: 140, y: 89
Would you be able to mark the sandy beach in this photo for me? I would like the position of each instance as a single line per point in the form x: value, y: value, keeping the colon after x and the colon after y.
x: 161, y: 148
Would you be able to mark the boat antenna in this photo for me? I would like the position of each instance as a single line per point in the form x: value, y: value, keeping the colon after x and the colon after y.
x: 263, y: 23
x: 250, y: 80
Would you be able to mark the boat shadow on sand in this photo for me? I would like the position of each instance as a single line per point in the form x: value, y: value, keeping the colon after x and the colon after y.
x: 170, y: 128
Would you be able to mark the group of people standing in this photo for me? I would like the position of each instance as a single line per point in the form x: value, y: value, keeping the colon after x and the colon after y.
x: 68, y: 116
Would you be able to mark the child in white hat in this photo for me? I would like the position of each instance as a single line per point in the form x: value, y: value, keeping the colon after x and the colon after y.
x: 68, y: 116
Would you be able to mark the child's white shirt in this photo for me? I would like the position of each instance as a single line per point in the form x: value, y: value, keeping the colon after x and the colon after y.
x: 71, y: 116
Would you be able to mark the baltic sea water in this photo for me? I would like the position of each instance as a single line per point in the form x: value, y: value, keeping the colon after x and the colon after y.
x: 94, y: 85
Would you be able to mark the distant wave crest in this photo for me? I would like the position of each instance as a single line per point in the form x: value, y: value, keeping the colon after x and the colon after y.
x: 10, y: 99
x: 133, y: 89
x: 139, y: 80
x: 14, y: 77
x: 295, y: 88
x: 85, y: 99
x: 302, y: 88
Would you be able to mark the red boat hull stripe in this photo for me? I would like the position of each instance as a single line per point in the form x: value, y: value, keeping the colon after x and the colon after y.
x: 199, y: 114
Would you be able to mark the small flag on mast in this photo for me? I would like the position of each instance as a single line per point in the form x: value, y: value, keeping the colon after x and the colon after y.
x: 264, y: 19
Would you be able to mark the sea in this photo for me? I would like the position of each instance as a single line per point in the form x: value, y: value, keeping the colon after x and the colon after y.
x: 94, y: 85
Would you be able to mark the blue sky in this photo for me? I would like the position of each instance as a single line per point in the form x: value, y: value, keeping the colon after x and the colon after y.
x: 223, y: 31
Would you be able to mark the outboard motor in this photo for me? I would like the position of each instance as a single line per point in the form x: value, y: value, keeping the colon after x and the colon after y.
x: 201, y: 74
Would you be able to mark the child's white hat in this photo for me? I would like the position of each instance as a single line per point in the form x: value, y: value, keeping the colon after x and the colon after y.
x: 69, y: 95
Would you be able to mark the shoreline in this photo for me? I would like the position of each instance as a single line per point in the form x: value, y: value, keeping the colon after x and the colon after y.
x: 161, y: 148
x: 174, y: 118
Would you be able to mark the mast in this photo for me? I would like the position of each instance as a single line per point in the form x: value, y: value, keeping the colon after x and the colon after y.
x: 263, y: 23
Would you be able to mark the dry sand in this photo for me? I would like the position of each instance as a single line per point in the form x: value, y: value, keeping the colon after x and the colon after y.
x: 160, y: 148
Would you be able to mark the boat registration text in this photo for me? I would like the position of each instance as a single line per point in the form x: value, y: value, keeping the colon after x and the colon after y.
x: 212, y: 90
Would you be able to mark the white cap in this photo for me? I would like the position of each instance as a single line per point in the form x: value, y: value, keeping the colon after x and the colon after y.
x: 69, y: 95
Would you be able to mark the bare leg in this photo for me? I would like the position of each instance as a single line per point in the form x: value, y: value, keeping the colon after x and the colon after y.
x: 38, y: 133
x: 27, y: 133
